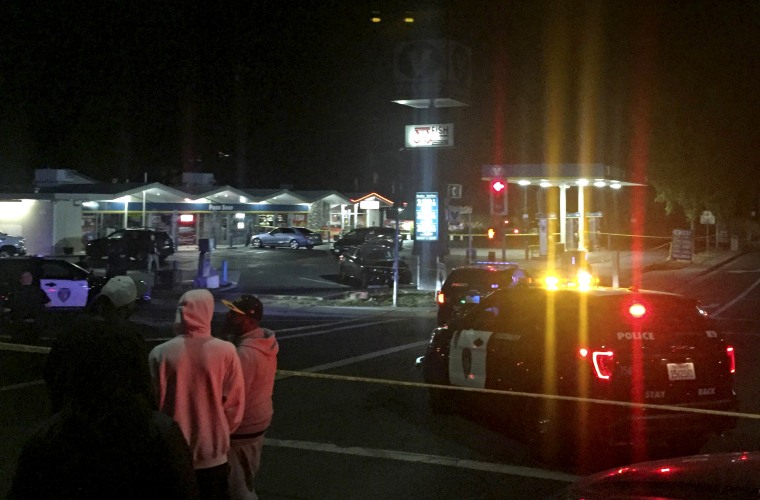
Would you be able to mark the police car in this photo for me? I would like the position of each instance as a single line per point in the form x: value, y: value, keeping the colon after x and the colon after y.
x: 587, y: 368
x: 69, y: 286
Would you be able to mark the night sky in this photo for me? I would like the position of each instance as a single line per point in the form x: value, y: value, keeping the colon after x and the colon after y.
x: 267, y: 94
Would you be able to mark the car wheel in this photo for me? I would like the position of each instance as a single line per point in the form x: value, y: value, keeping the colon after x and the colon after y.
x: 256, y: 243
x: 5, y: 254
x: 294, y: 244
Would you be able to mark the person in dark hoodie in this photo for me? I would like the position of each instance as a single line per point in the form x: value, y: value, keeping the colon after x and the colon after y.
x: 257, y: 348
x: 199, y: 383
x: 106, y: 440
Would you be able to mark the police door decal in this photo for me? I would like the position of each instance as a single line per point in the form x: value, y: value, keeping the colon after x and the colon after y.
x: 467, y: 358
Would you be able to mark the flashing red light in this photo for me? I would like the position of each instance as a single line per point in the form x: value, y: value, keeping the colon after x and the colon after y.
x: 498, y: 186
x: 731, y: 358
x: 637, y: 310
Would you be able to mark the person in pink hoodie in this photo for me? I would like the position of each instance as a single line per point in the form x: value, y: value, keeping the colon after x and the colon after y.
x: 199, y: 383
x: 257, y: 348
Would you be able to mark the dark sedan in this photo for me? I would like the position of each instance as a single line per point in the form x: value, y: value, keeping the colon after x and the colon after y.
x: 371, y: 265
x: 291, y: 237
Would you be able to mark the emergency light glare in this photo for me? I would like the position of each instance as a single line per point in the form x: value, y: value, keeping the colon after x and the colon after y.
x: 498, y: 186
x: 637, y: 310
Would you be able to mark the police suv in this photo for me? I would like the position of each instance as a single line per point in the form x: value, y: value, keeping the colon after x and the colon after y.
x: 587, y: 368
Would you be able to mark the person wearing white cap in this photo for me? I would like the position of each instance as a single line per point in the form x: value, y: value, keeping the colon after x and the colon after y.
x: 257, y: 348
x: 199, y: 384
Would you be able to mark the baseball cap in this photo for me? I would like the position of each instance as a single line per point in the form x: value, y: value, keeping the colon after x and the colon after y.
x: 246, y: 304
x: 120, y: 290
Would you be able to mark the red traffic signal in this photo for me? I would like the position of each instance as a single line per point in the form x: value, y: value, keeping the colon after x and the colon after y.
x: 498, y: 191
x: 498, y: 186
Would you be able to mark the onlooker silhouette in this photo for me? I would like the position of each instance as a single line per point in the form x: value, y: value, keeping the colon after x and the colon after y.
x: 257, y: 348
x: 200, y: 384
x: 106, y: 441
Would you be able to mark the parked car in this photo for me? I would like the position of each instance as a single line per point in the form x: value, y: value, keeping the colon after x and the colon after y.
x: 361, y: 235
x: 133, y: 242
x: 609, y: 368
x: 371, y: 265
x: 11, y: 245
x: 293, y: 237
x: 68, y: 285
x: 466, y: 285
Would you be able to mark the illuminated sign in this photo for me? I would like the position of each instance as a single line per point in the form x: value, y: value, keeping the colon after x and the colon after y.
x: 369, y: 204
x: 426, y: 216
x: 430, y: 136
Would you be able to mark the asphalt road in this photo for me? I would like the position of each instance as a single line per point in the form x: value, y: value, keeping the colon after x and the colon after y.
x: 351, y: 419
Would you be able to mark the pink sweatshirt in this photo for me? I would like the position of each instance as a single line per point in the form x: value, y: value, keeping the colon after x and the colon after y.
x: 199, y: 381
x: 258, y: 355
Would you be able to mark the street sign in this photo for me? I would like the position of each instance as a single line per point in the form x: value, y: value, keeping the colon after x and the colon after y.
x: 707, y: 217
x: 681, y: 247
x: 454, y: 191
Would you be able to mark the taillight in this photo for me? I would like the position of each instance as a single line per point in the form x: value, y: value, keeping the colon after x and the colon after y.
x: 602, y: 361
x: 440, y: 297
x: 731, y: 358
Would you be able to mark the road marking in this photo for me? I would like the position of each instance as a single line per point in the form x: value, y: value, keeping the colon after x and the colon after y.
x: 355, y: 359
x: 737, y: 299
x: 423, y: 458
x: 331, y: 330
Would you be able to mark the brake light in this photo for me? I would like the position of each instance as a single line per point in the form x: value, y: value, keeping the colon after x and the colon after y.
x: 731, y: 358
x: 602, y: 361
x: 440, y: 297
x: 637, y: 310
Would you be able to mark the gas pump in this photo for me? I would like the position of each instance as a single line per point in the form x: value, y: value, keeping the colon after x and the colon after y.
x: 206, y: 276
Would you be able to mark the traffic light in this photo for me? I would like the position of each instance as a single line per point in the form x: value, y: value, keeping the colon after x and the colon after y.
x: 498, y: 189
x: 491, y: 233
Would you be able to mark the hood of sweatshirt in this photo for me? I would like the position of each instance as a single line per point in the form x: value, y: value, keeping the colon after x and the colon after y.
x: 194, y: 313
x: 261, y: 339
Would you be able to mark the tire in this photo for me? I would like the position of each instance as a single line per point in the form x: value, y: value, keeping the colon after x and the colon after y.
x: 294, y: 244
x: 5, y: 254
x: 256, y: 243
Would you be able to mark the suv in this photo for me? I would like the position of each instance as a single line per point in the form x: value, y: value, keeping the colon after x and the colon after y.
x: 464, y: 286
x: 375, y: 235
x: 68, y: 285
x: 606, y: 369
x: 133, y: 242
x: 11, y: 245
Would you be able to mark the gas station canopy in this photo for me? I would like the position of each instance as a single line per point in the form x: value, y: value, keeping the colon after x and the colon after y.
x: 563, y: 176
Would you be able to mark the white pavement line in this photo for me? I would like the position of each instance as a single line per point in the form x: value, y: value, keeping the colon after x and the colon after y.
x: 355, y: 359
x: 404, y: 456
x: 737, y: 299
x: 324, y: 282
x: 334, y: 323
x: 330, y: 330
x: 23, y: 385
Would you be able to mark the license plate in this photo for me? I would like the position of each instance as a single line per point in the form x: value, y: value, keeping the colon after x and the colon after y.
x: 681, y: 371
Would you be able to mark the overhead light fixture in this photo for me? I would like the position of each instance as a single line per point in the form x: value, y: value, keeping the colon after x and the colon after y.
x: 616, y: 185
x: 524, y: 182
x: 581, y: 182
x: 545, y: 184
x: 599, y: 183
